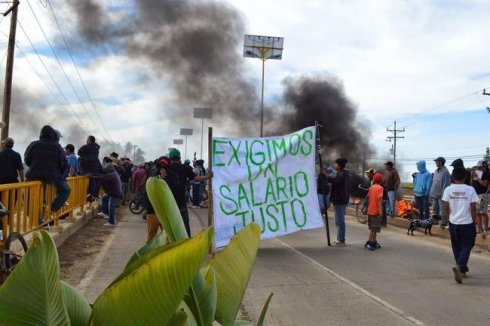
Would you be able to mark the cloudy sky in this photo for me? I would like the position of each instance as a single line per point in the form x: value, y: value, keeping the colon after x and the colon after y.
x: 423, y: 64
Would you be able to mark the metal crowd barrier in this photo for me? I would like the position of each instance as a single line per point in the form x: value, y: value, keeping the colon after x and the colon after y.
x: 29, y: 204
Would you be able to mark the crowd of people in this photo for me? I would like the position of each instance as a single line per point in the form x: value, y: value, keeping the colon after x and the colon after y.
x: 459, y: 201
x: 50, y: 163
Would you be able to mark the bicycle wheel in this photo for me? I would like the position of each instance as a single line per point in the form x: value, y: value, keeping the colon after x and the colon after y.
x: 361, y: 218
x: 15, y: 249
x: 136, y: 208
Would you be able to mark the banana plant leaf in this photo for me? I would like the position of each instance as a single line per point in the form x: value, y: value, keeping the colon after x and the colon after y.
x: 32, y: 294
x: 202, y: 297
x: 151, y: 293
x: 166, y: 209
x: 79, y: 310
x: 158, y: 241
x: 232, y: 268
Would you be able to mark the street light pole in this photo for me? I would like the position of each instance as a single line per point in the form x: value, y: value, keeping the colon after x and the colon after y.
x: 263, y: 48
x: 203, y: 113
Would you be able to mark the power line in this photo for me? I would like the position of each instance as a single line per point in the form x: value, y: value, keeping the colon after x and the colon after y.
x: 61, y: 66
x: 52, y: 78
x: 77, y: 70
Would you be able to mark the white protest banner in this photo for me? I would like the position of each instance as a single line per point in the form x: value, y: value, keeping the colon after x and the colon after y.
x: 268, y: 180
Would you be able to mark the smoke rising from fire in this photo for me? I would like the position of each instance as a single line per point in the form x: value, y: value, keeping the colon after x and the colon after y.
x: 310, y: 99
x: 196, y: 45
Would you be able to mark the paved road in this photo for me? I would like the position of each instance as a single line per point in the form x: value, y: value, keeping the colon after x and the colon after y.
x: 408, y: 281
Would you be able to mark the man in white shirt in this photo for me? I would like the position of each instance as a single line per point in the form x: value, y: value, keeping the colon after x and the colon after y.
x: 460, y: 205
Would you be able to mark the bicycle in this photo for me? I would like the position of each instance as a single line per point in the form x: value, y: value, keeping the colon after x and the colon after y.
x: 361, y: 207
x: 136, y: 205
x: 14, y: 249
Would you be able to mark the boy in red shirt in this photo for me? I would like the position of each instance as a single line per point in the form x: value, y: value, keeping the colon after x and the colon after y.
x: 375, y: 206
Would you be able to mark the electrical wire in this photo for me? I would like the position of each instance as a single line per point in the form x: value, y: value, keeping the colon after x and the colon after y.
x: 78, y: 72
x: 52, y: 78
x: 61, y: 66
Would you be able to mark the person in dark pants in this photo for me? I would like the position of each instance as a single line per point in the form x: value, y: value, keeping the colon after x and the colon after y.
x: 111, y: 183
x: 90, y: 163
x: 183, y: 173
x: 460, y: 205
x: 47, y: 162
x: 340, y: 197
x: 11, y: 168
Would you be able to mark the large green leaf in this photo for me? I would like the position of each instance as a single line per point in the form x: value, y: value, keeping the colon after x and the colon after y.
x: 202, y: 296
x: 166, y: 209
x: 76, y: 305
x: 32, y: 294
x: 232, y: 267
x: 158, y: 241
x: 151, y: 293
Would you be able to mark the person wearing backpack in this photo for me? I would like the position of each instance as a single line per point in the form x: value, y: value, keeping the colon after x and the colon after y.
x: 177, y: 176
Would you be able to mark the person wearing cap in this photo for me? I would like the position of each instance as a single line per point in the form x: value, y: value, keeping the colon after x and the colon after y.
x: 370, y: 174
x: 391, y: 184
x: 421, y: 189
x: 340, y: 197
x: 11, y: 167
x: 375, y: 208
x: 184, y: 173
x: 47, y: 163
x: 458, y: 163
x: 480, y: 180
x: 441, y: 179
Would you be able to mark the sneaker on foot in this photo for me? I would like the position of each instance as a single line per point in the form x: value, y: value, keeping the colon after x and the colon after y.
x: 377, y: 245
x: 100, y: 214
x: 370, y: 246
x: 457, y: 274
x: 109, y: 224
x: 338, y: 243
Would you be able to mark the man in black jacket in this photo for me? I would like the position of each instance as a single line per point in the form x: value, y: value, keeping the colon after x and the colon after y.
x: 47, y: 162
x: 90, y: 163
x: 340, y: 197
x: 11, y: 168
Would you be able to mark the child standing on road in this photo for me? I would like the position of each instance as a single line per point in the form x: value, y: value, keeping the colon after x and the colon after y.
x: 375, y: 206
x: 460, y: 205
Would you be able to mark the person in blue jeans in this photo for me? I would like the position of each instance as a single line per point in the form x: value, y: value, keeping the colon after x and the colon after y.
x: 460, y: 205
x: 340, y: 197
x: 111, y: 184
x: 422, y: 183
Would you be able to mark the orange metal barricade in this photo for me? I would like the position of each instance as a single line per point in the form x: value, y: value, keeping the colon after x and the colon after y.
x: 29, y: 204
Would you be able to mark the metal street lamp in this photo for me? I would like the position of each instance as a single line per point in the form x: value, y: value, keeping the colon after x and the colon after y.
x: 186, y: 132
x: 203, y: 113
x: 263, y: 48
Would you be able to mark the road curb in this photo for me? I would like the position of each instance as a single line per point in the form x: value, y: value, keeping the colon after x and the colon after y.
x: 70, y: 226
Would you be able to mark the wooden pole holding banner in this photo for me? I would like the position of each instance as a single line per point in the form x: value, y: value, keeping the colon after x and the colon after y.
x: 324, y: 198
x: 210, y: 185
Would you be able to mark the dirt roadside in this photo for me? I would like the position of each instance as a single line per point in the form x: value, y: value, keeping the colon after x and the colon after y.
x: 79, y: 250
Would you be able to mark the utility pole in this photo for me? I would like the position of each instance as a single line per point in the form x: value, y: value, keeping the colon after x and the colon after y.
x: 395, y: 136
x: 485, y: 93
x: 7, y: 94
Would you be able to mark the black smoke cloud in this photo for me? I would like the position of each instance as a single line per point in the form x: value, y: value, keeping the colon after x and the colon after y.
x: 322, y: 99
x: 196, y: 45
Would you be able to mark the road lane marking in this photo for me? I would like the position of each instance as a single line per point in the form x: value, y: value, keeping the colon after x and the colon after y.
x: 355, y: 286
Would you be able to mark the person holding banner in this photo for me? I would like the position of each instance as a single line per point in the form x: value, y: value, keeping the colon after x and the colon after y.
x: 340, y: 197
x: 182, y: 173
